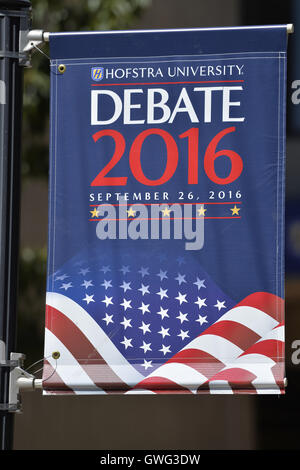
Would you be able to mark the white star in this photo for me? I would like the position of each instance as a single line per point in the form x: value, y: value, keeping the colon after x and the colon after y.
x: 127, y: 342
x: 125, y: 269
x: 84, y: 271
x: 126, y: 323
x: 144, y: 308
x: 202, y: 320
x: 66, y: 286
x: 180, y: 260
x: 61, y: 278
x: 162, y: 293
x: 89, y: 298
x: 106, y: 284
x: 126, y: 304
x: 108, y: 319
x: 147, y: 364
x: 125, y: 286
x: 220, y: 305
x: 107, y: 301
x: 182, y: 317
x: 87, y: 284
x: 162, y: 275
x: 200, y: 302
x: 145, y: 328
x: 164, y: 332
x: 146, y: 347
x: 144, y: 271
x: 199, y: 283
x: 144, y: 289
x: 183, y: 334
x: 180, y: 278
x: 165, y: 349
x: 163, y: 313
x: 105, y: 269
x: 181, y: 298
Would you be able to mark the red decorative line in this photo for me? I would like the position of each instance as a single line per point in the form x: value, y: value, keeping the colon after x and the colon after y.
x: 166, y: 83
x: 160, y: 203
x: 167, y: 218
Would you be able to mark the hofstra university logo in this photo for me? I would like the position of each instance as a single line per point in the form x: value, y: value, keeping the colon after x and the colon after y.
x: 97, y: 73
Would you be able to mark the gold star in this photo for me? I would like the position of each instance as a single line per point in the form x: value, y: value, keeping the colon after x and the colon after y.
x: 130, y: 212
x: 235, y: 210
x: 166, y: 212
x: 94, y: 213
x: 201, y: 211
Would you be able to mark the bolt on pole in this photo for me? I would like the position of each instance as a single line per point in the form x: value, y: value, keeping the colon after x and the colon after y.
x: 15, y: 16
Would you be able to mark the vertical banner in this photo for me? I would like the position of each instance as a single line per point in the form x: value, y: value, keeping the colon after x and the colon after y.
x: 166, y: 212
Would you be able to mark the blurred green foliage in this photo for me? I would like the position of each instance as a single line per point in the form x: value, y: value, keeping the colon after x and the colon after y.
x: 62, y: 15
x: 52, y: 15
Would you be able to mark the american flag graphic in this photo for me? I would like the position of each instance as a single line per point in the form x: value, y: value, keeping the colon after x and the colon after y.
x: 151, y: 323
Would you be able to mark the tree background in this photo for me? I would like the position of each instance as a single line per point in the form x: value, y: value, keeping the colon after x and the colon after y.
x: 53, y: 16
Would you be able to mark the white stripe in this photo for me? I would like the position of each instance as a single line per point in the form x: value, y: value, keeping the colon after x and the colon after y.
x: 268, y: 391
x: 255, y: 359
x: 77, y: 392
x: 260, y: 366
x: 252, y: 362
x: 96, y: 336
x: 220, y: 386
x: 140, y: 392
x: 277, y: 334
x: 253, y: 318
x: 67, y: 366
x: 265, y: 380
x: 217, y: 346
x: 181, y: 374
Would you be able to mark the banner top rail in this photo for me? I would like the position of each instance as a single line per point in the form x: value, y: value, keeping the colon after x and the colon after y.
x: 289, y: 27
x: 168, y: 41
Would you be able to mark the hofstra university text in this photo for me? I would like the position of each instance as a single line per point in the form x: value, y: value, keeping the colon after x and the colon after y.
x: 183, y: 71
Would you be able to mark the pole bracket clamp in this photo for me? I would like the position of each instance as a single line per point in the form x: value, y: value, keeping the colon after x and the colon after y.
x: 28, y: 41
x: 19, y: 380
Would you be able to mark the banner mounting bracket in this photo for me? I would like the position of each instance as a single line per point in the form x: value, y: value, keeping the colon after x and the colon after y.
x: 28, y: 41
x: 19, y: 380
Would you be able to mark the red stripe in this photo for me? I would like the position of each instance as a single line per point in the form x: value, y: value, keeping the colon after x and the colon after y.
x: 161, y: 385
x: 53, y: 381
x: 84, y: 352
x: 237, y: 377
x: 201, y: 361
x: 268, y: 303
x: 278, y: 372
x: 247, y: 391
x: 271, y: 348
x: 236, y: 333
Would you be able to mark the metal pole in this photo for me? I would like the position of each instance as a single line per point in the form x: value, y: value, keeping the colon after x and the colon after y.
x: 14, y: 16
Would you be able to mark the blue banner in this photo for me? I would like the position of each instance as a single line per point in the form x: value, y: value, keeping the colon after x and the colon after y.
x: 166, y: 212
